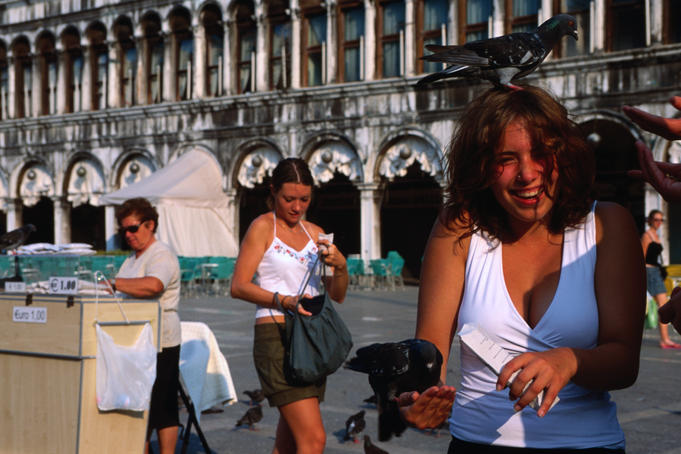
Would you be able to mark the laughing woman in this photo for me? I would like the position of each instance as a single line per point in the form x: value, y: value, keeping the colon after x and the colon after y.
x: 558, y: 281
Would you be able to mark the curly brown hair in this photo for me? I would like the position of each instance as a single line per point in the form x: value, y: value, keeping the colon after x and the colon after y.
x: 140, y: 207
x: 471, y: 169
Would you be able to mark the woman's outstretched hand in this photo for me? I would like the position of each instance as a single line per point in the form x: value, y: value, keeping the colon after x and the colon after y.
x: 427, y: 410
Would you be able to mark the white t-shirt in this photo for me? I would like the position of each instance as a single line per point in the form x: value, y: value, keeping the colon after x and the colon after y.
x: 159, y: 261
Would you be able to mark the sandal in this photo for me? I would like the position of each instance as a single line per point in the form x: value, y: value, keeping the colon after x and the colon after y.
x: 671, y: 346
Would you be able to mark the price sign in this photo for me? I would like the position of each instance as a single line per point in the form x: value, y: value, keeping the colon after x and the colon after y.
x: 28, y: 314
x: 15, y: 287
x: 64, y: 285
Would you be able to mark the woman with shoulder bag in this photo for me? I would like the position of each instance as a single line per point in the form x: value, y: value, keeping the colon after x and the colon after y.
x: 278, y: 249
x: 655, y: 273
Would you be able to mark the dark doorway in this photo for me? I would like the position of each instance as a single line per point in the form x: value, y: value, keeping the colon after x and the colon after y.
x: 615, y: 153
x: 252, y: 203
x: 87, y: 226
x: 335, y: 208
x: 3, y: 222
x: 41, y: 215
x: 408, y: 211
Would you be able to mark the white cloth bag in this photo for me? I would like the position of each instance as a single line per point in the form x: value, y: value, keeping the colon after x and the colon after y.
x: 125, y: 375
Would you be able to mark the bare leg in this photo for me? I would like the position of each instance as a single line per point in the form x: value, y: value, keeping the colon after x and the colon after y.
x: 300, y: 429
x: 167, y: 439
x: 661, y: 300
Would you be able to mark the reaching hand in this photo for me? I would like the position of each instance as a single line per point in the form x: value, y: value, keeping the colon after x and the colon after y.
x: 663, y: 176
x: 669, y: 128
x: 429, y: 409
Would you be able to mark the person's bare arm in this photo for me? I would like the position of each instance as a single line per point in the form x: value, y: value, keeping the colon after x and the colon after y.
x: 139, y: 287
x: 669, y: 128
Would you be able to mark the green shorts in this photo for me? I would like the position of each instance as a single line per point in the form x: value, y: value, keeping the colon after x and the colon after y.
x: 268, y: 355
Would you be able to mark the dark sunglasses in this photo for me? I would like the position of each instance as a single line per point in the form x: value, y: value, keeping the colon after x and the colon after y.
x: 130, y: 228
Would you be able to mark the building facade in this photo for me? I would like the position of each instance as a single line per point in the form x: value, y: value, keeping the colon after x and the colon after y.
x: 97, y: 94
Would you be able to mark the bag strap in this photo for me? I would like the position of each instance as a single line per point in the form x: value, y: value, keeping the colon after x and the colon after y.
x: 98, y: 275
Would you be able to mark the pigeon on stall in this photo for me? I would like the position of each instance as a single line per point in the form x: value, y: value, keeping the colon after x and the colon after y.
x: 394, y: 368
x: 370, y: 448
x: 354, y: 425
x: 502, y: 59
x: 256, y: 396
x: 252, y: 415
x: 15, y: 238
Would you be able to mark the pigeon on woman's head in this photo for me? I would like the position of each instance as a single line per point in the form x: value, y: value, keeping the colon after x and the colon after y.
x: 395, y: 368
x: 502, y: 59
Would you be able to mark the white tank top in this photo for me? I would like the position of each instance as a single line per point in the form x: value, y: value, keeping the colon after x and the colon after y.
x: 282, y: 269
x: 583, y: 418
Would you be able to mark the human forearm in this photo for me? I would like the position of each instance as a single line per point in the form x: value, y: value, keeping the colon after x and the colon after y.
x: 139, y: 287
x: 607, y: 367
x: 338, y: 284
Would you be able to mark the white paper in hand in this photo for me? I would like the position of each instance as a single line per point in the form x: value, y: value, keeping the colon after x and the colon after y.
x: 494, y: 356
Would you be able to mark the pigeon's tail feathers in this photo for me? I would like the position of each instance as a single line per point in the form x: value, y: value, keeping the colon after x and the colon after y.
x: 451, y: 71
x: 389, y: 421
x: 358, y: 364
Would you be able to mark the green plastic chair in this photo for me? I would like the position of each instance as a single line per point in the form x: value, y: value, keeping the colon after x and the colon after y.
x: 220, y: 275
x: 355, y: 272
x: 396, y: 266
x: 380, y: 269
x: 6, y: 265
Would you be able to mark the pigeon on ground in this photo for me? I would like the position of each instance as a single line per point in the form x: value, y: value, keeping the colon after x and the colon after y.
x: 15, y: 238
x: 370, y: 448
x: 371, y: 399
x: 256, y: 396
x: 252, y: 415
x: 354, y: 425
x: 394, y: 368
x: 502, y: 59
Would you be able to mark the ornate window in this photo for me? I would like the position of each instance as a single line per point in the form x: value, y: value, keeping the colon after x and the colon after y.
x: 314, y: 46
x: 671, y: 32
x: 127, y: 56
x: 23, y: 80
x: 153, y: 57
x: 351, y: 41
x: 212, y: 24
x: 523, y: 17
x: 580, y: 9
x: 280, y: 45
x: 183, y: 52
x: 390, y: 52
x: 432, y: 18
x: 99, y: 65
x: 73, y: 55
x: 246, y: 36
x: 47, y: 68
x: 625, y: 24
x: 474, y: 20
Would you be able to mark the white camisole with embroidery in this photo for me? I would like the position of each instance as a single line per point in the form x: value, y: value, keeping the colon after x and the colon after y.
x: 282, y: 269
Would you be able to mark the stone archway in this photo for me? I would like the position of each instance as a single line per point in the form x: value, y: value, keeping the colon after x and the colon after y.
x: 36, y: 190
x: 85, y: 183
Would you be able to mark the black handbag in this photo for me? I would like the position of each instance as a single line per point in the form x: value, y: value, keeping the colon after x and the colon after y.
x: 317, y: 344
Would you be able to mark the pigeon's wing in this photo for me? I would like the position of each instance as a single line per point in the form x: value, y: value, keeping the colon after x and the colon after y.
x: 10, y: 239
x: 450, y: 71
x: 515, y: 49
x: 456, y: 55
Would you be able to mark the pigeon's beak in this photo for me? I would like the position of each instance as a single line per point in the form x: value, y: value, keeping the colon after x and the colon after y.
x: 573, y: 33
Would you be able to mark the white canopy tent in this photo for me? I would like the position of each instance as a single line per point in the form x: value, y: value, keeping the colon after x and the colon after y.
x: 193, y: 210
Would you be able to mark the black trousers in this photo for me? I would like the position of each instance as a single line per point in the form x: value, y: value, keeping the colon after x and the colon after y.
x: 463, y: 447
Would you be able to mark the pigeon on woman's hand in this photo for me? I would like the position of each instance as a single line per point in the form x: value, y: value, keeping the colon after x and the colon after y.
x: 502, y: 59
x: 395, y: 368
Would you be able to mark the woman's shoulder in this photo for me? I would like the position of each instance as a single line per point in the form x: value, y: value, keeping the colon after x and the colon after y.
x: 613, y: 218
x: 313, y: 229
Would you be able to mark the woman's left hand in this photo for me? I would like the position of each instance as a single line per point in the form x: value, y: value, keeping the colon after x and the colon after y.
x: 331, y: 255
x: 549, y: 371
x: 427, y: 410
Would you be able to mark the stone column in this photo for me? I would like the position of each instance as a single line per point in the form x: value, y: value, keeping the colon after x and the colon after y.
x: 14, y: 214
x: 369, y: 40
x: 296, y: 45
x: 409, y: 38
x: 62, y: 220
x: 262, y: 54
x: 233, y: 214
x: 87, y: 82
x: 12, y: 82
x: 499, y: 8
x: 598, y: 29
x: 113, y: 76
x: 227, y: 70
x: 110, y: 228
x: 169, y: 67
x: 370, y: 214
x: 656, y: 21
x: 62, y: 57
x: 34, y: 107
x: 142, y: 81
x: 199, y: 65
x: 331, y: 43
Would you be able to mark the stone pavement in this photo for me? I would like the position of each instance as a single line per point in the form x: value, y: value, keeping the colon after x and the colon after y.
x: 650, y: 411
